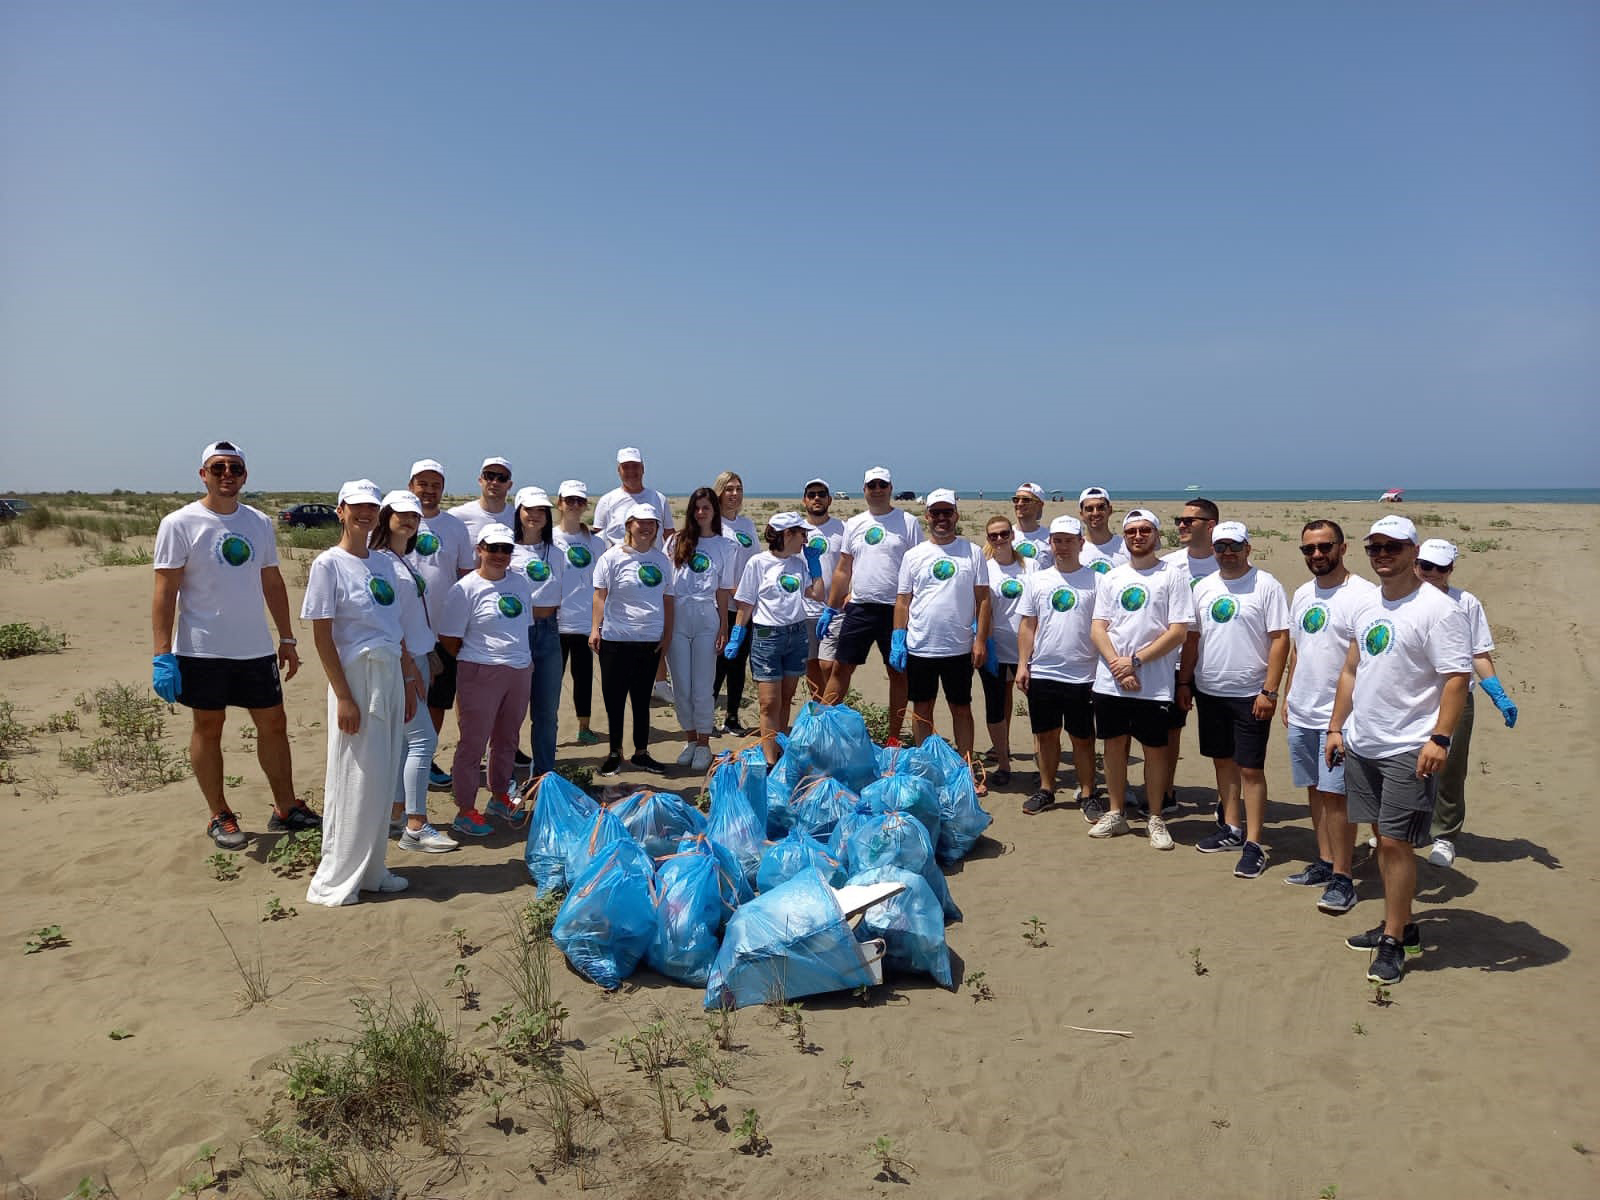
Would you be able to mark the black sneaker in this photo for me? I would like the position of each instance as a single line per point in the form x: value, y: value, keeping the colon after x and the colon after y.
x: 1169, y: 804
x: 1038, y: 802
x: 225, y: 832
x: 644, y: 762
x: 523, y: 760
x: 1318, y: 874
x: 300, y: 818
x: 612, y: 765
x: 1092, y: 808
x: 1222, y: 822
x: 1252, y: 862
x: 1226, y: 838
x: 732, y: 728
x: 1134, y: 806
x: 1411, y: 942
x: 1389, y: 963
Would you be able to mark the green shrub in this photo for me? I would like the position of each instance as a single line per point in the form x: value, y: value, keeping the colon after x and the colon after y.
x: 18, y: 640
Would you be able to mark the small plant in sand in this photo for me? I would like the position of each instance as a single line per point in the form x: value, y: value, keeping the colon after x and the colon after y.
x: 87, y: 1189
x: 1331, y: 1192
x: 13, y: 733
x: 61, y: 722
x: 1033, y: 933
x: 748, y: 1137
x: 224, y: 867
x: 844, y: 1065
x: 978, y: 985
x: 576, y: 773
x: 296, y: 853
x: 722, y: 1024
x: 18, y: 640
x: 1358, y: 1029
x: 1380, y: 996
x: 462, y: 986
x: 253, y: 975
x: 891, y: 1166
x: 1580, y: 1148
x: 119, y: 1035
x: 463, y: 947
x: 233, y: 781
x: 703, y: 1090
x: 1200, y: 968
x: 275, y: 910
x: 46, y: 937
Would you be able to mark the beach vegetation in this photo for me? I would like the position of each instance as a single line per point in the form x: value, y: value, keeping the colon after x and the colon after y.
x: 277, y: 911
x: 462, y: 986
x: 891, y: 1167
x: 224, y: 867
x: 1200, y: 967
x: 1499, y: 523
x: 978, y: 985
x: 257, y: 982
x: 1483, y: 545
x: 296, y: 853
x: 18, y: 639
x: 1033, y: 933
x: 748, y: 1136
x: 576, y: 774
x: 14, y: 735
x: 61, y: 722
x: 46, y: 937
x: 119, y: 1035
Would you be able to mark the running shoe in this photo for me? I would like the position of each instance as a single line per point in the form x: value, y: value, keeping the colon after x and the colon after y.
x: 1160, y: 839
x: 511, y: 813
x: 438, y: 781
x: 1000, y: 778
x: 588, y: 737
x: 1318, y: 874
x: 686, y: 755
x: 702, y: 759
x: 1252, y: 862
x: 1091, y: 808
x: 1109, y: 825
x: 1339, y: 896
x: 470, y: 822
x: 298, y: 819
x: 644, y: 762
x: 1389, y: 963
x: 1038, y: 802
x: 225, y: 832
x: 612, y: 765
x: 1410, y: 941
x: 1443, y: 853
x: 1226, y: 838
x: 390, y: 883
x: 732, y: 728
x: 427, y: 840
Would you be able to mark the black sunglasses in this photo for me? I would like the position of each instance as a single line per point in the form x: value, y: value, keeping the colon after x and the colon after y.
x: 219, y: 469
x: 1376, y: 548
x: 497, y: 548
x: 1227, y: 547
x: 1001, y: 535
x: 877, y: 483
x: 817, y: 495
x: 1188, y: 520
x: 1310, y: 548
x: 1441, y: 568
x: 497, y: 477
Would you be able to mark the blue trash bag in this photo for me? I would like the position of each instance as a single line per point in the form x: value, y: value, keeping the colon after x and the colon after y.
x: 692, y: 907
x: 904, y: 760
x: 964, y: 819
x: 911, y: 924
x: 603, y: 829
x: 784, y: 778
x: 789, y: 942
x: 658, y: 820
x: 906, y: 793
x: 736, y: 888
x: 747, y: 771
x: 733, y: 824
x: 608, y: 920
x: 818, y: 805
x: 833, y: 740
x: 561, y: 814
x: 849, y: 821
x: 787, y: 858
x: 898, y: 840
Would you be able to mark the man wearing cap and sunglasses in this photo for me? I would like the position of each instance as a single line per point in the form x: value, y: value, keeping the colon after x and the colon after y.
x: 443, y: 554
x: 1032, y: 540
x: 824, y: 539
x: 216, y: 562
x: 491, y: 507
x: 1400, y: 695
x: 1195, y: 558
x: 611, y: 510
x: 1102, y: 549
x: 1436, y: 562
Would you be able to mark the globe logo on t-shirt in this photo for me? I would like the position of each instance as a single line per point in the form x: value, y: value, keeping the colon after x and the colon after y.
x: 579, y: 556
x: 1224, y: 609
x: 538, y: 570
x: 743, y: 538
x: 874, y: 535
x: 1133, y: 598
x: 819, y: 544
x: 234, y: 550
x: 1027, y: 549
x: 381, y: 589
x: 789, y: 583
x: 699, y: 564
x: 1315, y: 619
x: 649, y: 574
x: 1011, y: 589
x: 1063, y: 599
x: 427, y: 544
x: 1100, y: 566
x: 509, y: 606
x: 1378, y: 637
x: 944, y: 569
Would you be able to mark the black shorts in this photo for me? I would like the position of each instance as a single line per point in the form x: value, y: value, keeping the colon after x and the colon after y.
x: 442, y: 688
x: 862, y: 626
x: 1180, y: 715
x: 1229, y: 729
x: 1054, y: 705
x: 211, y: 684
x: 997, y: 693
x: 925, y: 676
x: 1146, y: 721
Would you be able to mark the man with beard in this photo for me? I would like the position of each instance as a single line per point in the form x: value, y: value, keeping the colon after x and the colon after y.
x: 824, y: 538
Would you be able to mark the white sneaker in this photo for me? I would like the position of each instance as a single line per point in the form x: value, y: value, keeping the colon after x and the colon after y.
x: 1160, y: 839
x: 391, y: 883
x: 1443, y: 853
x: 702, y: 758
x: 1108, y: 825
x: 1372, y: 842
x: 427, y: 840
x: 663, y: 691
x: 686, y: 755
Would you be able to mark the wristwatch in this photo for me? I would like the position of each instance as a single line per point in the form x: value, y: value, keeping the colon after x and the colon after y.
x: 1442, y: 740
x: 1134, y: 659
x: 1269, y: 695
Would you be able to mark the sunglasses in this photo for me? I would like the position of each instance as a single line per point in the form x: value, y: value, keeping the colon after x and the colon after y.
x: 496, y: 477
x: 875, y: 484
x: 1139, y: 531
x: 219, y: 469
x: 1003, y: 535
x: 817, y: 495
x: 1310, y: 548
x: 1227, y: 547
x: 581, y: 501
x: 941, y: 514
x: 497, y: 548
x: 1188, y: 520
x: 1026, y: 500
x: 1376, y: 548
x: 1441, y: 568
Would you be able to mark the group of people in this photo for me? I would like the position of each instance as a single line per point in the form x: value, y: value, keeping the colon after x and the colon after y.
x: 486, y: 607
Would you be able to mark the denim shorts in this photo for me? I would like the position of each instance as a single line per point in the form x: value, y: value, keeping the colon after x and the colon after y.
x: 778, y: 652
x: 1308, y: 761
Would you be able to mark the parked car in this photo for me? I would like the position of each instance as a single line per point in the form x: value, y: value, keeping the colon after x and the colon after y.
x: 905, y: 495
x: 309, y: 516
x: 9, y: 511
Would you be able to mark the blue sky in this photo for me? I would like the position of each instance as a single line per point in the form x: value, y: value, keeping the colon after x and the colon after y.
x: 1261, y: 245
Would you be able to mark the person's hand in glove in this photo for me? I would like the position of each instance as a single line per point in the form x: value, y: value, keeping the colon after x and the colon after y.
x: 735, y: 640
x: 897, y: 650
x: 167, y: 680
x: 1493, y: 689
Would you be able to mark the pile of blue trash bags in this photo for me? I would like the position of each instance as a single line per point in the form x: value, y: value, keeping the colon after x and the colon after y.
x: 740, y: 900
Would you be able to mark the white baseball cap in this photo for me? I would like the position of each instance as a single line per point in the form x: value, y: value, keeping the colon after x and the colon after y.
x: 643, y: 512
x: 401, y: 500
x: 1094, y: 493
x: 495, y: 461
x: 940, y: 496
x: 629, y: 454
x: 533, y: 497
x: 496, y: 533
x: 425, y: 464
x: 1141, y: 514
x: 1230, y: 531
x: 816, y: 479
x: 215, y: 448
x: 1439, y: 551
x: 785, y: 520
x: 1066, y: 524
x: 360, y: 491
x: 1029, y: 489
x: 573, y: 487
x: 876, y: 475
x: 1395, y: 526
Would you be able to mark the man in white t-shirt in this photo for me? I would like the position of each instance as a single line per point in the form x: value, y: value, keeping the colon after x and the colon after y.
x: 216, y: 562
x: 1031, y: 540
x: 611, y: 511
x: 442, y: 555
x: 1056, y: 662
x: 1233, y: 672
x: 865, y: 584
x: 941, y: 621
x: 1195, y: 559
x: 1316, y: 657
x: 491, y: 507
x: 1400, y: 696
x: 1142, y: 612
x: 1102, y: 549
x: 1436, y: 563
x: 824, y: 540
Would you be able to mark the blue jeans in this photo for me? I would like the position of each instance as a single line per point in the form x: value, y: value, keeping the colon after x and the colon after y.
x: 778, y: 651
x: 544, y: 693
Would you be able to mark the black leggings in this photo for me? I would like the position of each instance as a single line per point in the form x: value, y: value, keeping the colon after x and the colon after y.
x: 994, y: 693
x: 576, y: 647
x: 731, y: 671
x: 628, y: 673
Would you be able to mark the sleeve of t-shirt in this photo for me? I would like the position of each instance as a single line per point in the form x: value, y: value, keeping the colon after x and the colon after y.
x: 670, y: 585
x: 903, y: 582
x: 322, y: 591
x: 980, y: 566
x: 1180, y: 600
x: 1478, y: 626
x: 749, y: 589
x: 1027, y: 606
x: 1277, y: 607
x: 454, y: 612
x: 666, y: 512
x: 1104, y: 606
x: 1450, y: 646
x: 913, y: 531
x: 172, y: 547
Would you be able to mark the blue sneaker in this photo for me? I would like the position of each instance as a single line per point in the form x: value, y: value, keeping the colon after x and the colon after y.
x: 512, y: 814
x: 1318, y: 874
x: 471, y: 823
x: 1339, y: 896
x: 1251, y: 863
x: 1226, y: 838
x: 438, y: 781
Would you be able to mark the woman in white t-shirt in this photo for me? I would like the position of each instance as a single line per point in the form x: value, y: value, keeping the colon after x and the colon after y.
x: 740, y: 531
x: 772, y: 617
x: 630, y: 626
x: 702, y: 570
x: 580, y: 549
x: 1007, y: 572
x: 540, y: 565
x: 395, y: 536
x: 485, y: 625
x: 373, y: 690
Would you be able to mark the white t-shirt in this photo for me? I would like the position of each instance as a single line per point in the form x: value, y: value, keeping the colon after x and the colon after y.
x: 829, y: 536
x: 1319, y: 651
x: 541, y: 566
x: 709, y: 569
x: 1101, y: 559
x: 1236, y: 620
x: 743, y: 541
x: 876, y: 545
x: 360, y: 596
x: 1195, y: 569
x: 413, y: 589
x: 221, y: 611
x: 1477, y: 627
x: 636, y: 586
x: 1034, y: 546
x: 942, y: 582
x: 1006, y: 588
x: 444, y: 549
x: 611, y: 513
x: 490, y: 616
x: 1407, y: 648
x: 1063, y: 605
x: 580, y: 552
x: 474, y: 516
x: 775, y: 588
x: 1138, y: 607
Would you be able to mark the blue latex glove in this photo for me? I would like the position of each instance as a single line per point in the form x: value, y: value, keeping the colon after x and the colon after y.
x: 991, y: 657
x: 814, y: 560
x: 1493, y: 689
x: 825, y: 620
x: 735, y: 640
x: 167, y: 681
x: 897, y: 650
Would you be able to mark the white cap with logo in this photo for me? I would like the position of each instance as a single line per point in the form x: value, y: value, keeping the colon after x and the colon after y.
x: 495, y: 460
x: 533, y: 497
x: 215, y: 448
x: 1066, y: 524
x: 496, y: 534
x: 785, y: 520
x: 426, y: 464
x: 1141, y: 514
x: 642, y: 512
x: 1393, y: 526
x: 360, y: 491
x: 876, y: 475
x: 1438, y: 551
x: 401, y: 500
x: 573, y: 487
x: 940, y: 496
x: 1230, y: 531
x: 629, y: 454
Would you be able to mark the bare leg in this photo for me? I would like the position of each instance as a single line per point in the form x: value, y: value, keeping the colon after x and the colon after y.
x: 921, y: 721
x: 897, y: 703
x: 1116, y: 760
x: 1341, y: 834
x: 1228, y: 787
x: 272, y: 752
x: 1397, y: 862
x: 1255, y: 802
x: 961, y: 725
x: 205, y: 755
x: 1047, y: 753
x: 1158, y: 762
x: 1083, y: 765
x: 1320, y: 823
x: 838, y: 682
x: 770, y: 700
x: 817, y: 678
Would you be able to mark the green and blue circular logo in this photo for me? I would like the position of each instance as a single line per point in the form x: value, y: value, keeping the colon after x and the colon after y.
x: 874, y: 535
x: 1011, y: 589
x: 743, y: 538
x: 789, y: 583
x: 700, y: 563
x: 819, y: 544
x: 235, y: 550
x: 649, y: 574
x: 538, y: 570
x: 427, y: 544
x: 944, y: 569
x: 1064, y: 599
x: 1028, y: 548
x: 382, y: 590
x: 1224, y: 609
x: 509, y: 605
x: 1378, y: 637
x: 1133, y: 598
x: 579, y: 556
x: 1315, y: 619
x: 1100, y: 566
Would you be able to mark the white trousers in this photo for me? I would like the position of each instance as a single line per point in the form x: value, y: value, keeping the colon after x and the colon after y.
x: 692, y: 659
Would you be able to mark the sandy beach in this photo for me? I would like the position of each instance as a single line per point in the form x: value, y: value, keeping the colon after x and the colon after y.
x: 1257, y: 1066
